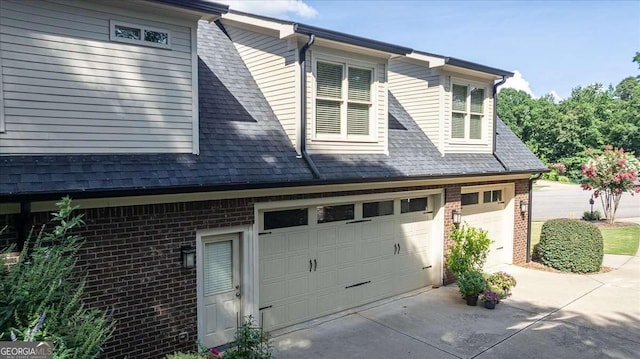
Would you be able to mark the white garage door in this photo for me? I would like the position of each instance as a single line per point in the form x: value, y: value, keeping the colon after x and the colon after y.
x: 352, y: 254
x: 485, y: 209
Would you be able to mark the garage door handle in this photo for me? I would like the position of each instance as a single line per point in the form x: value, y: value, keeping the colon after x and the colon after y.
x: 398, y: 248
x: 310, y: 265
x: 500, y: 248
x: 395, y: 248
x: 359, y: 221
x: 315, y: 263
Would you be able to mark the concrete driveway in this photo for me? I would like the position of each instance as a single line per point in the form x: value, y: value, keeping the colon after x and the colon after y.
x: 550, y: 315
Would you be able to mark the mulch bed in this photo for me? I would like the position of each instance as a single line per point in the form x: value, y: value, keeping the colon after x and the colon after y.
x: 541, y: 267
x: 604, y: 224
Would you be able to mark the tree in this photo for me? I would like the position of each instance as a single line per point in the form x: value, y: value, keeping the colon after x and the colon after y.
x: 41, y: 294
x: 610, y: 175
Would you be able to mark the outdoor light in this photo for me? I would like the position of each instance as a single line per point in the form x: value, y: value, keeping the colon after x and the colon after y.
x: 188, y: 257
x: 524, y: 207
x: 456, y: 217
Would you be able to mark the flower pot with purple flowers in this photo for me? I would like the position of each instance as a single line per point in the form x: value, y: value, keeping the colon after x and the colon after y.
x: 490, y: 299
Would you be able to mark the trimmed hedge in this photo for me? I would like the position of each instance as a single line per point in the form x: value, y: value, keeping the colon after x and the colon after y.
x: 570, y: 245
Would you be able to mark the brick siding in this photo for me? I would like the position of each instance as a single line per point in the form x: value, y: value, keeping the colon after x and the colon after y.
x: 132, y: 261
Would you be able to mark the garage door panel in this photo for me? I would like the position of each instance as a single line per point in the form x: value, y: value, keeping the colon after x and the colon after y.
x: 299, y: 241
x: 271, y: 292
x: 327, y: 279
x: 273, y: 245
x: 298, y: 286
x: 299, y: 310
x: 273, y: 268
x: 327, y: 237
x: 274, y: 317
x: 348, y: 254
x: 326, y: 258
x: 299, y: 263
x: 378, y: 268
x: 348, y: 275
x: 347, y: 234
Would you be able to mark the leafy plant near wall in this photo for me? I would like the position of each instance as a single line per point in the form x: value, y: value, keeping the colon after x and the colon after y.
x: 41, y: 294
x: 570, y: 245
x: 470, y: 249
x: 250, y: 342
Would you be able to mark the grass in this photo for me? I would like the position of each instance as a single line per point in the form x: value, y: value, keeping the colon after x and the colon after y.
x: 617, y: 240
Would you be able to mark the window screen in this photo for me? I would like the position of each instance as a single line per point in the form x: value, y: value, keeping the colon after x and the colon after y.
x: 218, y: 267
x: 376, y: 209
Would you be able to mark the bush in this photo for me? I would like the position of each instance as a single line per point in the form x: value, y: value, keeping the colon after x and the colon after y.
x: 570, y: 245
x: 471, y: 283
x: 588, y: 217
x: 41, y: 294
x: 470, y: 249
x: 550, y: 176
x: 564, y: 179
x: 250, y: 342
x: 500, y: 283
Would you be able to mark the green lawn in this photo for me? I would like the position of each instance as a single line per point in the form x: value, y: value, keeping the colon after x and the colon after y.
x: 617, y: 240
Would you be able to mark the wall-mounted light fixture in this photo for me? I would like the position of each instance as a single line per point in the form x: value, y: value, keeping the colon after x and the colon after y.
x: 524, y: 207
x: 456, y: 217
x: 188, y: 254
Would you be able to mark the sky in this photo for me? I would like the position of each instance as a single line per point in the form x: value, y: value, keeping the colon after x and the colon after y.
x: 552, y: 46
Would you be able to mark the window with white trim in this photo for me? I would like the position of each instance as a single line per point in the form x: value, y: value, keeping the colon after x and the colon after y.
x: 139, y: 34
x: 467, y: 112
x: 343, y: 101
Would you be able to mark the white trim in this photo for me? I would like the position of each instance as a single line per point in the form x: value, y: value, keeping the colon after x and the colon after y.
x: 248, y: 304
x: 441, y: 114
x: 112, y: 36
x: 484, y: 139
x: 195, y: 110
x: 346, y: 62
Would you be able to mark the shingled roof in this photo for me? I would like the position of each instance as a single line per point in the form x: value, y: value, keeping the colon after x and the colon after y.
x: 243, y: 145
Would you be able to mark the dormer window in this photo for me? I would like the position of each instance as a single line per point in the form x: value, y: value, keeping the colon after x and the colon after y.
x: 468, y: 112
x: 343, y: 101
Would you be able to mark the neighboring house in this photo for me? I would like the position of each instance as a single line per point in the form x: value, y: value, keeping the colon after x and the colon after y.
x: 312, y: 171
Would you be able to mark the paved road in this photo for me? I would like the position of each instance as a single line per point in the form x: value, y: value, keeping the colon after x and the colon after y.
x: 567, y: 201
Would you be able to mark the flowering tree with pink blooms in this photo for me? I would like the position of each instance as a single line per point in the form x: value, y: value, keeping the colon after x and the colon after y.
x: 609, y: 176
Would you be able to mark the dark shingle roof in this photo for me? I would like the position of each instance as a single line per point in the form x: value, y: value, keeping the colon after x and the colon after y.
x: 241, y: 141
x: 513, y: 152
x: 243, y: 144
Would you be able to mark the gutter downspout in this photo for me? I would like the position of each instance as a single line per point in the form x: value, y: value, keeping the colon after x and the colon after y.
x: 495, y: 120
x: 303, y: 107
x: 530, y: 215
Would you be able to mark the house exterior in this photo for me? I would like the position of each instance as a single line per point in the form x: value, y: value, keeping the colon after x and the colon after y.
x: 312, y: 171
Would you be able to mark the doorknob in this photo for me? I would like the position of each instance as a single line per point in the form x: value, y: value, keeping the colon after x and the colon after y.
x: 238, y: 291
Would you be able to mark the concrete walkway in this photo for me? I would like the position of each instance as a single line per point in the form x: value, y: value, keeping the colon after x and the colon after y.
x: 550, y: 315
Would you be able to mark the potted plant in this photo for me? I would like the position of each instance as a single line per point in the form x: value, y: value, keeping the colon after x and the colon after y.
x: 490, y: 299
x: 501, y: 283
x: 471, y: 284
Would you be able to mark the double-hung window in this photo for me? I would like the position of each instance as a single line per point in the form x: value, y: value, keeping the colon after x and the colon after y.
x: 343, y: 102
x: 467, y: 117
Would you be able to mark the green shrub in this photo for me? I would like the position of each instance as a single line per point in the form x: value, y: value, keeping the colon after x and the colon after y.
x: 250, y: 342
x: 564, y: 179
x: 41, y: 294
x: 550, y: 176
x: 587, y: 216
x: 570, y: 245
x: 471, y: 283
x: 470, y: 249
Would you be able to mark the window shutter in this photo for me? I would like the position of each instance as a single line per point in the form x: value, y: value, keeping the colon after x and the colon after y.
x: 329, y: 80
x: 327, y: 117
x: 475, y: 127
x: 357, y: 119
x: 218, y: 267
x: 359, y: 84
x: 459, y: 98
x: 457, y: 125
x: 477, y: 100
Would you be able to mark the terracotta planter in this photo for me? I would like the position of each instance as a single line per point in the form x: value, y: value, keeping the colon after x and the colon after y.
x: 472, y: 300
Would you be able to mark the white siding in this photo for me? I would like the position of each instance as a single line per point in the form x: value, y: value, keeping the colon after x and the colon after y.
x: 417, y: 89
x: 69, y: 89
x: 380, y: 105
x: 272, y: 63
x: 484, y: 146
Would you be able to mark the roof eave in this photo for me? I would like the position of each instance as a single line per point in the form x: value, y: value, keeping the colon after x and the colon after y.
x: 452, y: 61
x: 200, y: 6
x: 350, y: 39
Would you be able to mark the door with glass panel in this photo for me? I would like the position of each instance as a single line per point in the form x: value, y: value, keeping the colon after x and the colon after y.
x: 219, y: 289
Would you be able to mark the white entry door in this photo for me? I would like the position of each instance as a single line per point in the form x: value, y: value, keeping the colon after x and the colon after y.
x: 219, y: 289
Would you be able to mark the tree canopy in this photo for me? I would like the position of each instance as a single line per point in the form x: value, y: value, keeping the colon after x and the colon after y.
x: 592, y: 117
